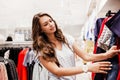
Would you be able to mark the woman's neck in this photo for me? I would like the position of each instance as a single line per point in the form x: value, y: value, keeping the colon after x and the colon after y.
x: 57, y: 44
x: 52, y: 38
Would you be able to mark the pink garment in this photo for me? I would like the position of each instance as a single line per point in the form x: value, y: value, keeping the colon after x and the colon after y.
x: 3, y: 72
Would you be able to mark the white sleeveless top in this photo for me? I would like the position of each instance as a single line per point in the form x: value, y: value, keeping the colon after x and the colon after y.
x: 66, y: 59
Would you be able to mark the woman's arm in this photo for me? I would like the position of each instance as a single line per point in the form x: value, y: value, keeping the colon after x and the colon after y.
x: 95, y: 57
x: 98, y: 67
x: 59, y: 71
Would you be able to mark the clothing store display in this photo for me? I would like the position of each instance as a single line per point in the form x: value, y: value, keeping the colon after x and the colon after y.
x: 59, y: 40
x: 24, y: 62
x: 108, y: 37
x: 114, y: 25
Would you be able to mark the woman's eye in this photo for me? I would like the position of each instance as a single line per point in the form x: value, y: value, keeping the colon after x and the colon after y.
x: 45, y: 24
x: 50, y: 20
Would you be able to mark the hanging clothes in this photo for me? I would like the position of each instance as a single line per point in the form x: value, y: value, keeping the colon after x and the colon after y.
x: 97, y: 50
x: 22, y: 70
x: 17, y: 54
x: 10, y: 68
x: 3, y: 72
x: 114, y: 25
x: 29, y: 61
x: 104, y: 39
x: 13, y: 53
x: 112, y: 74
x: 97, y: 28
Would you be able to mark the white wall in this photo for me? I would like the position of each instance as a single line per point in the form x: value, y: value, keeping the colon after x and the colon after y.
x: 19, y: 13
x: 113, y: 5
x: 69, y: 14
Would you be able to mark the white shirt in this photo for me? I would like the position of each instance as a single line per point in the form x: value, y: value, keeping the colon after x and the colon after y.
x: 66, y: 59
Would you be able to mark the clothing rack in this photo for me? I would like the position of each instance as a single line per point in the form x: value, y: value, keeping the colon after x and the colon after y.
x: 13, y: 44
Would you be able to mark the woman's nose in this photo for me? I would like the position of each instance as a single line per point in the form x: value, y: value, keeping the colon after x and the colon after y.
x: 50, y: 23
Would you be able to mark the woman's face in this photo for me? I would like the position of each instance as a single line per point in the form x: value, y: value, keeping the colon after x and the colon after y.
x: 47, y: 25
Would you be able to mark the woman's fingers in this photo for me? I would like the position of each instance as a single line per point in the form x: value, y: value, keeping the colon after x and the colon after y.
x: 104, y: 62
x: 113, y: 48
x: 103, y: 68
x: 106, y: 65
x: 102, y: 71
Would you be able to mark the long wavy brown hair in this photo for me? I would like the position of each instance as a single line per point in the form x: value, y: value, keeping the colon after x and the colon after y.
x: 41, y: 43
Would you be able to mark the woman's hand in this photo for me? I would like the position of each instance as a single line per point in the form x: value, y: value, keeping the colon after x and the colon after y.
x: 112, y: 52
x: 100, y: 67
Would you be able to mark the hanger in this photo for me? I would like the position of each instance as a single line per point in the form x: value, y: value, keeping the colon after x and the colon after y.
x: 110, y: 13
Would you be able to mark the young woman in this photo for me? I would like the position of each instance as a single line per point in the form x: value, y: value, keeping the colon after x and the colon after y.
x: 56, y: 51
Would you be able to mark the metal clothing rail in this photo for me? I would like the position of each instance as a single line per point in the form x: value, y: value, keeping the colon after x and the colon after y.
x: 16, y: 44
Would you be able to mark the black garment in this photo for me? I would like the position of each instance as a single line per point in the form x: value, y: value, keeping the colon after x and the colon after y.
x: 99, y: 76
x: 113, y: 73
x: 30, y: 70
x: 10, y: 68
x: 114, y: 24
x: 14, y: 52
